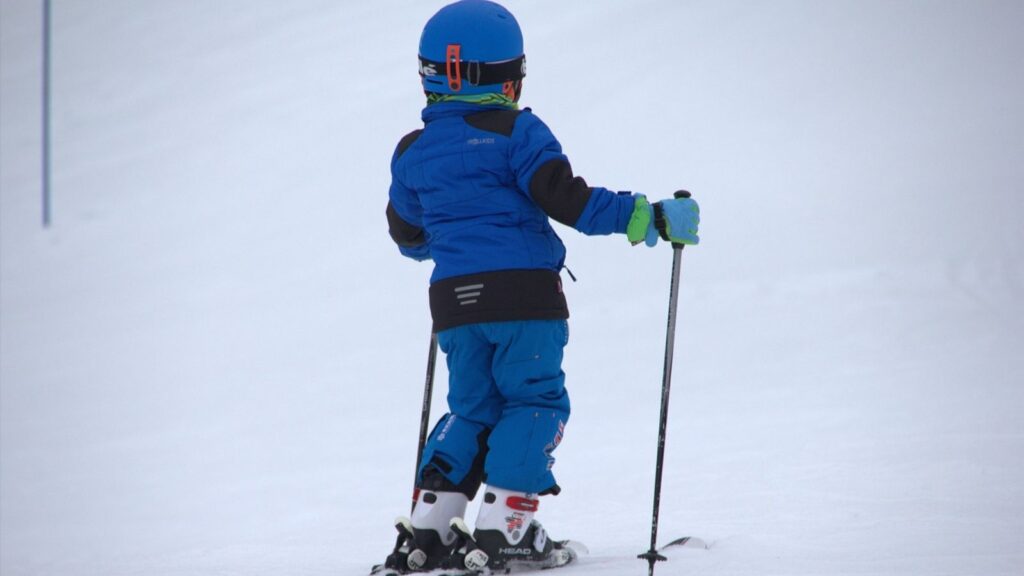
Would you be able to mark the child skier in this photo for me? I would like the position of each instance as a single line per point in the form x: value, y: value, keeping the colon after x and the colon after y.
x: 473, y: 191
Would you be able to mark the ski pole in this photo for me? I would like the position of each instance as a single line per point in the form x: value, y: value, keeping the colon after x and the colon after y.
x: 652, y: 555
x: 428, y: 394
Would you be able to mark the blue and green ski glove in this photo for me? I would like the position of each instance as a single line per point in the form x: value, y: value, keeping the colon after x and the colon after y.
x: 675, y: 220
x: 641, y: 223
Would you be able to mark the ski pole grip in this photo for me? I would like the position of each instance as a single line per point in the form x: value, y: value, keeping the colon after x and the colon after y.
x: 680, y: 194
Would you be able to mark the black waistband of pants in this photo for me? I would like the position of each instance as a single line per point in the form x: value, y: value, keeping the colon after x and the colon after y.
x: 497, y: 297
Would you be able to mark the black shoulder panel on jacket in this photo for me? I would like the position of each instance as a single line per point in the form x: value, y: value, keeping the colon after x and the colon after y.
x: 403, y: 233
x: 497, y: 121
x: 559, y: 194
x: 407, y: 141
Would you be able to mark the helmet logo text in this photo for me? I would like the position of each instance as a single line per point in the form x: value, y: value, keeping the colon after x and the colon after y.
x: 427, y: 69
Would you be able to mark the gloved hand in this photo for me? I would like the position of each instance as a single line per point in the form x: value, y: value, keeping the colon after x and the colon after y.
x: 675, y: 220
x: 641, y: 223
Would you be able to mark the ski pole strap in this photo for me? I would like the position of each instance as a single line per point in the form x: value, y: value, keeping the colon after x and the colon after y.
x: 659, y: 221
x: 477, y: 73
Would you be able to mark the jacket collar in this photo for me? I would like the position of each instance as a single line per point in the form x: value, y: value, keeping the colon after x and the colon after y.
x: 450, y: 109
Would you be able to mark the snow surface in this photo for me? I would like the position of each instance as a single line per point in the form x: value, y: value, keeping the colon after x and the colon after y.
x: 212, y: 363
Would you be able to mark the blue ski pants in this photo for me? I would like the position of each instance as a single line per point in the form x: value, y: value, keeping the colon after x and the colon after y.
x: 505, y: 386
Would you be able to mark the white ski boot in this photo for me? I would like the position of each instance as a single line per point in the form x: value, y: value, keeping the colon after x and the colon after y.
x: 506, y: 535
x: 426, y: 541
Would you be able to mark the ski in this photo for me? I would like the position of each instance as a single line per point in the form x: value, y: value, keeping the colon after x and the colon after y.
x: 654, y: 555
x: 564, y: 552
x: 688, y: 542
x: 573, y: 550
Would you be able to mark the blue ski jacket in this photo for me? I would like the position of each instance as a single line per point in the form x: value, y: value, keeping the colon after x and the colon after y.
x: 474, y: 190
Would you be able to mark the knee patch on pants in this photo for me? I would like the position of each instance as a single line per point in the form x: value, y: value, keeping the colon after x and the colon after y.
x: 453, y: 460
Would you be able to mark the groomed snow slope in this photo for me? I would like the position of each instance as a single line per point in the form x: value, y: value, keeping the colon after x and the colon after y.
x: 212, y: 362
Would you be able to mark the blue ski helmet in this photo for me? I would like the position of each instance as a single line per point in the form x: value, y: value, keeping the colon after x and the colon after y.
x: 472, y: 47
